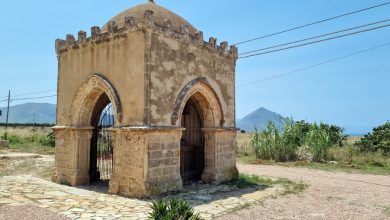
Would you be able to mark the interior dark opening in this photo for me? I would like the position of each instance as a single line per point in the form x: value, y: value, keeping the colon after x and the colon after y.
x: 192, y: 144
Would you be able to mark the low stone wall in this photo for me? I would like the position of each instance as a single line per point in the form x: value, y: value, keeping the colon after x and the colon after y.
x: 4, y: 144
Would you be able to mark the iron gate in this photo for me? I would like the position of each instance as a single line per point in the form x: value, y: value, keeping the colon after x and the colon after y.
x: 105, y: 143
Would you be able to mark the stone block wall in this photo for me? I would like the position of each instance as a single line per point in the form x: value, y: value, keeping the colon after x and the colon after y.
x: 146, y: 161
x: 164, y: 161
x: 226, y: 155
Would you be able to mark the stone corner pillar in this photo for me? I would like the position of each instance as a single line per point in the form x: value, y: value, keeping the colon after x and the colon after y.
x: 220, y: 155
x: 72, y: 153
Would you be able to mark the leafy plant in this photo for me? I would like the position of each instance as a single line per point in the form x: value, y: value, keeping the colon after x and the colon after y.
x: 4, y: 136
x: 267, y: 143
x: 48, y: 140
x: 318, y: 141
x: 173, y: 209
x: 292, y: 139
x: 379, y: 140
x: 336, y: 133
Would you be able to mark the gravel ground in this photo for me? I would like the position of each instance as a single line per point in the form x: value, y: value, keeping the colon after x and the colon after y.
x: 330, y: 195
x: 28, y: 212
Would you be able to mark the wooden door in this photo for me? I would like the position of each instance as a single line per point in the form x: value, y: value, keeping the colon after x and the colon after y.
x: 192, y: 146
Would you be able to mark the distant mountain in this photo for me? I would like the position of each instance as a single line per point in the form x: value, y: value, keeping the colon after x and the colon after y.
x: 260, y: 119
x: 30, y: 113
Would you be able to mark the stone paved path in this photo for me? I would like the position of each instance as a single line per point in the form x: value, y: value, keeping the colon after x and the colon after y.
x: 83, y: 203
x: 91, y: 202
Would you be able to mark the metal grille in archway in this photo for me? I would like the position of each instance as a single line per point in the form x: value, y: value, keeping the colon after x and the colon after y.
x: 105, y: 143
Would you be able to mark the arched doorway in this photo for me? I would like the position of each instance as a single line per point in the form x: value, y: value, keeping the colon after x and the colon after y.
x: 200, y: 95
x: 101, y: 152
x: 192, y: 143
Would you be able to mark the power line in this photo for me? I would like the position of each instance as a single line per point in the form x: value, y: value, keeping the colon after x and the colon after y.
x: 41, y: 97
x: 315, y: 37
x: 314, y: 42
x: 313, y: 23
x: 33, y: 93
x: 314, y: 65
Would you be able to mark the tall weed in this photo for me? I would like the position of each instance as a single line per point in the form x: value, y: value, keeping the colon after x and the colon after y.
x: 318, y: 141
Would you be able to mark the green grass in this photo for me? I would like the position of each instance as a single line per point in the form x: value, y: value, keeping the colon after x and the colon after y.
x: 245, y: 181
x: 31, y: 147
x: 382, y: 169
x: 387, y: 211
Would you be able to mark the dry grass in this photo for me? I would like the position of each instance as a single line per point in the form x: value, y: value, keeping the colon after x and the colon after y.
x: 28, y: 139
x: 243, y: 144
x: 26, y: 132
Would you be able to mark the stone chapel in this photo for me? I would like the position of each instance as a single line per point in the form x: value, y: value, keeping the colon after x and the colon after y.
x: 146, y: 104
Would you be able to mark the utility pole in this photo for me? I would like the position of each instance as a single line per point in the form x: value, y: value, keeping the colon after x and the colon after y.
x: 6, y: 120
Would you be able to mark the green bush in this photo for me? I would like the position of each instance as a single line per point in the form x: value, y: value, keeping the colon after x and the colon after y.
x: 266, y: 143
x: 4, y: 136
x: 173, y: 209
x: 378, y: 141
x: 292, y: 139
x: 335, y: 133
x: 318, y: 140
x: 47, y: 140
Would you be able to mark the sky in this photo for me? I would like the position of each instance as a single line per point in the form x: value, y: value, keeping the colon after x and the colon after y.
x: 353, y: 92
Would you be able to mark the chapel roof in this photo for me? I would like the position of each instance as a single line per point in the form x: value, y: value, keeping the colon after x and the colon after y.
x: 161, y: 15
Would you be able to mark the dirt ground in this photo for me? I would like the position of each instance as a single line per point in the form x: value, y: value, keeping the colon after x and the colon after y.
x: 330, y: 195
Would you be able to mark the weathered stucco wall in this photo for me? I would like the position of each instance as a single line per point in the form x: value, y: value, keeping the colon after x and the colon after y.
x: 174, y: 64
x: 120, y: 60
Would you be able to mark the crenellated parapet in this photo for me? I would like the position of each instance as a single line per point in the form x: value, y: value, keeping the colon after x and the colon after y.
x: 131, y: 24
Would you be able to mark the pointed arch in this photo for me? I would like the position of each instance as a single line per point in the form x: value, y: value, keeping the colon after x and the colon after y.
x: 88, y: 95
x: 200, y: 90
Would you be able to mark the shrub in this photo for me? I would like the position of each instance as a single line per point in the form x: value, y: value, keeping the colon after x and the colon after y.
x: 299, y: 140
x: 302, y: 128
x: 173, y: 209
x: 266, y: 143
x: 47, y: 140
x: 256, y: 144
x: 4, y: 136
x: 379, y: 140
x: 292, y: 139
x: 15, y: 139
x: 336, y: 133
x: 318, y: 141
